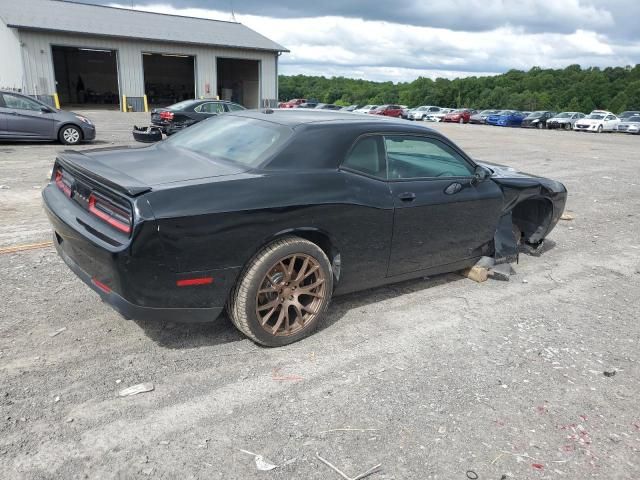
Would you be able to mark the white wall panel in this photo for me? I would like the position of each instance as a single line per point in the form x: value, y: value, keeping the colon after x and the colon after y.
x: 10, y: 59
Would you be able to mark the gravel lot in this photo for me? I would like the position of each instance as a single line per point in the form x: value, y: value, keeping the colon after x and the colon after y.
x: 430, y: 378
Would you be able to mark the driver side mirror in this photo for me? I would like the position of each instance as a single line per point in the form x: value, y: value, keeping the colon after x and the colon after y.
x: 46, y: 110
x: 480, y: 174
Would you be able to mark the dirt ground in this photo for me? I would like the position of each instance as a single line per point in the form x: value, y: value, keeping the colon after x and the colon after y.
x: 436, y: 378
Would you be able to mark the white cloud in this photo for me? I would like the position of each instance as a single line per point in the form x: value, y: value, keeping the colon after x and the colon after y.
x: 379, y: 50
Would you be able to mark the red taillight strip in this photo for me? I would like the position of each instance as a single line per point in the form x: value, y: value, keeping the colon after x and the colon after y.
x: 105, y: 288
x: 123, y: 227
x: 61, y: 185
x: 189, y: 282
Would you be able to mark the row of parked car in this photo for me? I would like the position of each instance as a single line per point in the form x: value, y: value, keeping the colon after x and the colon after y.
x: 596, y: 121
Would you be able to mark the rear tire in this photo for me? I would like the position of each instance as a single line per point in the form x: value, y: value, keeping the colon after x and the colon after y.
x: 283, y: 292
x: 70, y: 135
x: 568, y: 126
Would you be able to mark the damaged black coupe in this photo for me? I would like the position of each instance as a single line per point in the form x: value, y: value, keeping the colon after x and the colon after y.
x: 268, y: 214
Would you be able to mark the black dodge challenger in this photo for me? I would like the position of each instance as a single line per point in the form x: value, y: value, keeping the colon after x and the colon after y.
x: 270, y: 213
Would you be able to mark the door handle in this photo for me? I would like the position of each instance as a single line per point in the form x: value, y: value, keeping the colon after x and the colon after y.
x: 407, y: 196
x: 454, y: 188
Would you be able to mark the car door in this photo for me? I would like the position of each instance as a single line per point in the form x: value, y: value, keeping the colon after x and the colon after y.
x: 441, y: 214
x: 27, y: 119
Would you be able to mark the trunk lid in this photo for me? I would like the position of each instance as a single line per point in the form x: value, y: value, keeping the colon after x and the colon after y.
x: 137, y: 170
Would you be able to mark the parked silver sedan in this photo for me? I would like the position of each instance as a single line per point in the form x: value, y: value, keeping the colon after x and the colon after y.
x: 25, y: 118
x: 630, y: 125
x: 564, y: 120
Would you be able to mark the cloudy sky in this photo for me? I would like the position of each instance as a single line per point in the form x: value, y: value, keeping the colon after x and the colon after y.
x: 399, y: 40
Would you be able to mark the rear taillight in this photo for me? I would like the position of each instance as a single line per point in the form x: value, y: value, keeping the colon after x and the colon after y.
x: 107, y: 211
x: 166, y: 115
x: 63, y: 183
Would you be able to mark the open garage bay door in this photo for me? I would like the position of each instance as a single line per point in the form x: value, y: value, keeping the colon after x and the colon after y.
x: 86, y: 76
x: 239, y: 81
x: 168, y: 78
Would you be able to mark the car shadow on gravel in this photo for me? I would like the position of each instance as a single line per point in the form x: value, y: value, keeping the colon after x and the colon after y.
x: 191, y: 335
x: 221, y: 331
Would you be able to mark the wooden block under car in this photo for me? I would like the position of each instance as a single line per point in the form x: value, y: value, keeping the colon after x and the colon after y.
x: 477, y: 274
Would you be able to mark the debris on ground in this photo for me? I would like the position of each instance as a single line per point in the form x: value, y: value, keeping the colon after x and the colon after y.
x: 261, y: 463
x: 57, y: 332
x: 501, y: 271
x: 475, y: 273
x: 371, y: 471
x: 275, y: 375
x: 136, y: 389
x: 147, y: 471
x: 566, y: 216
x: 4, y: 187
x: 609, y: 373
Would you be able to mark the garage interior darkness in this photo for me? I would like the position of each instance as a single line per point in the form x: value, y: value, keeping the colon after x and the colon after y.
x: 239, y: 81
x: 168, y: 78
x: 86, y: 76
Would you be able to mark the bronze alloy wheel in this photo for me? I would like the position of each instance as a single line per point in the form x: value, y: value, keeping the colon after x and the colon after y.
x: 291, y: 295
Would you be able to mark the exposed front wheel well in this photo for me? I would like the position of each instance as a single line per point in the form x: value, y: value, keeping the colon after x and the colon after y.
x: 533, y: 218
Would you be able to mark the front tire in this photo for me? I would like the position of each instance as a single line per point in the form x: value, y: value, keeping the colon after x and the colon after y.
x: 600, y: 128
x: 70, y: 135
x: 283, y: 292
x: 461, y: 121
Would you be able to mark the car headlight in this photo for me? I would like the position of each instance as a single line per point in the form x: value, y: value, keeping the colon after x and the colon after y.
x: 84, y: 119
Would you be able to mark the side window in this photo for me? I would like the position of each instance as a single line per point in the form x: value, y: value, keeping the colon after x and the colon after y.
x: 418, y: 157
x: 609, y: 117
x: 211, y: 107
x: 234, y: 108
x: 367, y: 156
x: 20, y: 103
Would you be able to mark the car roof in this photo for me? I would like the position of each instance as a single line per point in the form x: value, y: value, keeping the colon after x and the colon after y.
x: 295, y: 117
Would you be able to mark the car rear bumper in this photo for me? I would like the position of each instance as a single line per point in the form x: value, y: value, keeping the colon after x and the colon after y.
x: 138, y: 288
x: 131, y: 311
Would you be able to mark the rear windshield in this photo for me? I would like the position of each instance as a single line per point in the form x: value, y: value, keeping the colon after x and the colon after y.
x: 236, y: 139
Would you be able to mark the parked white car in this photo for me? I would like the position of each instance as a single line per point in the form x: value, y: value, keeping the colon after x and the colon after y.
x: 597, y: 121
x: 438, y: 116
x: 420, y: 113
x: 365, y: 109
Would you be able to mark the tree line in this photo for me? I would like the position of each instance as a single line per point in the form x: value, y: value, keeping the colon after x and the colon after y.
x: 569, y: 89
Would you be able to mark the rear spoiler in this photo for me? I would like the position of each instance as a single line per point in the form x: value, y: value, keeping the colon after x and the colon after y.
x: 102, y: 173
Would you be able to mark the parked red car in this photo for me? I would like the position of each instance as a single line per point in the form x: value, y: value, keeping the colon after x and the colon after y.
x: 388, y: 111
x: 461, y: 115
x: 292, y: 103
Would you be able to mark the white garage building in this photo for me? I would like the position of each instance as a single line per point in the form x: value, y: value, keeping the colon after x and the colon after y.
x: 73, y: 54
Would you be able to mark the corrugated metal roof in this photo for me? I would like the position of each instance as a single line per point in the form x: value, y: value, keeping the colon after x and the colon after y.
x: 63, y: 16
